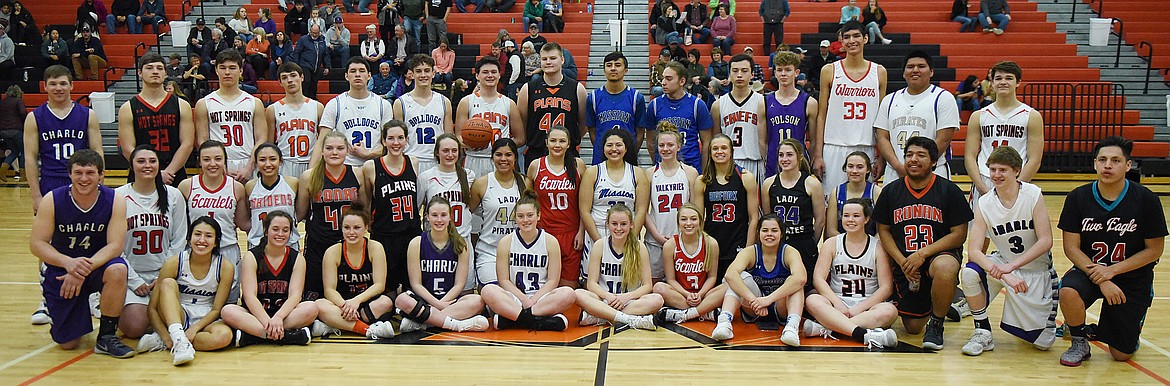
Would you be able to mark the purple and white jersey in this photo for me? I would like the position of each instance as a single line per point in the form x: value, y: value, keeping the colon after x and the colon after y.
x: 437, y: 266
x: 60, y: 137
x: 784, y: 121
x: 80, y: 232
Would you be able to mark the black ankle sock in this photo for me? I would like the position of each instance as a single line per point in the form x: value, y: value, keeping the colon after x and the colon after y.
x: 525, y: 318
x: 859, y: 334
x: 937, y: 319
x: 983, y: 323
x: 108, y: 326
x: 1077, y: 331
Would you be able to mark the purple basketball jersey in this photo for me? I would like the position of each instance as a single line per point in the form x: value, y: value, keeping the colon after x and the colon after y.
x: 77, y: 232
x: 784, y: 121
x: 60, y: 138
x: 438, y: 266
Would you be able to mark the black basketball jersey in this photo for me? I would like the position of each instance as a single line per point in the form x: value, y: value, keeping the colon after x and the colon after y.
x: 548, y: 106
x: 918, y: 218
x: 727, y: 216
x: 272, y: 282
x: 157, y: 126
x: 323, y: 227
x: 352, y: 280
x: 395, y: 212
x: 1113, y: 231
x: 793, y: 205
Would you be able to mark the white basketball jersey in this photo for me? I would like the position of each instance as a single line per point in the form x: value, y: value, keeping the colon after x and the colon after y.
x: 906, y: 116
x: 496, y: 209
x: 198, y: 292
x: 433, y: 182
x: 230, y: 122
x: 853, y: 106
x: 217, y: 202
x: 296, y: 130
x: 741, y: 122
x: 852, y: 278
x: 497, y: 113
x: 997, y: 128
x: 611, y: 269
x: 607, y: 193
x: 426, y: 121
x: 153, y: 237
x: 1013, y: 230
x: 667, y: 194
x: 528, y: 263
x: 266, y: 199
x: 360, y: 119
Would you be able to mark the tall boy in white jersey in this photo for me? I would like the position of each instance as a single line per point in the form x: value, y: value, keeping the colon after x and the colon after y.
x: 740, y: 114
x: 232, y: 116
x: 1007, y: 122
x: 293, y: 120
x: 426, y: 112
x: 920, y: 109
x: 852, y: 90
x: 358, y: 113
x: 499, y: 111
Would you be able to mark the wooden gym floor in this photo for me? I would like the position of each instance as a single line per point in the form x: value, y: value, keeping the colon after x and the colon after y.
x: 581, y: 355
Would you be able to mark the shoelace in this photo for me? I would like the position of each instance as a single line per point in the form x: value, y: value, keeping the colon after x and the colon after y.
x: 873, y: 343
x: 827, y: 334
x: 176, y: 347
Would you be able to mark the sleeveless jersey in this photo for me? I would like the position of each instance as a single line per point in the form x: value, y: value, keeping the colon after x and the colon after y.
x: 607, y: 193
x: 153, y: 237
x: 853, y: 107
x: 605, y: 111
x: 906, y: 116
x: 496, y: 113
x: 272, y: 283
x: 230, y: 122
x: 690, y: 114
x: 1013, y: 230
x: 921, y: 216
x: 784, y: 121
x: 667, y: 194
x: 446, y: 184
x: 80, y: 232
x: 323, y: 227
x: 528, y: 262
x: 265, y: 199
x: 157, y: 126
x: 395, y: 211
x: 557, y: 195
x: 726, y: 210
x: 427, y: 122
x: 741, y: 122
x: 548, y: 106
x: 360, y: 119
x: 198, y: 292
x: 296, y: 129
x: 842, y: 192
x: 60, y: 137
x: 793, y: 205
x: 496, y: 208
x: 997, y: 129
x: 438, y: 266
x: 769, y: 281
x: 854, y: 277
x: 218, y: 203
x: 611, y: 269
x: 690, y: 267
x: 351, y: 280
x: 1114, y: 231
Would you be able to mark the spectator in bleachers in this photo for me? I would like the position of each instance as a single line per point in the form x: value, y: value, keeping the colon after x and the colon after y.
x: 199, y: 35
x: 531, y: 60
x: 874, y: 19
x: 88, y: 55
x: 723, y: 29
x: 91, y: 13
x: 7, y: 53
x: 773, y: 13
x: 534, y: 38
x: 994, y: 11
x: 123, y: 12
x: 241, y: 25
x: 212, y: 48
x: 837, y: 47
x: 310, y: 53
x: 656, y: 72
x: 850, y: 12
x: 152, y: 12
x: 279, y: 49
x: 677, y: 53
x: 569, y: 69
x: 959, y: 15
x: 968, y: 95
x: 265, y: 21
x: 437, y: 12
x: 329, y: 11
x: 669, y: 26
x: 515, y: 69
x: 404, y: 85
x: 500, y: 5
x: 227, y: 33
x: 175, y: 67
x: 387, y: 18
x: 461, y: 5
x: 173, y: 87
x: 554, y: 16
x: 297, y: 19
x: 414, y: 12
x: 12, y: 115
x: 757, y: 69
x: 373, y: 48
x: 5, y: 11
x: 656, y: 12
x: 22, y: 27
x: 256, y: 53
x: 730, y: 4
x: 315, y: 20
x: 985, y: 90
x: 337, y: 40
x: 719, y: 71
x: 382, y: 83
x: 504, y: 36
x: 248, y: 79
x: 400, y: 48
x: 696, y: 73
x: 533, y: 12
x: 444, y: 62
x: 363, y: 6
x: 697, y: 18
x: 55, y: 50
x: 195, y: 78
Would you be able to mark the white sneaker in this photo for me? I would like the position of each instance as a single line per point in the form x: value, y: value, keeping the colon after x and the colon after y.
x: 474, y: 323
x: 41, y: 315
x: 723, y: 331
x: 710, y: 316
x: 879, y: 338
x: 887, y: 41
x: 380, y: 330
x: 997, y: 31
x: 95, y: 305
x: 980, y: 341
x: 644, y: 322
x: 183, y: 352
x: 150, y: 343
x: 409, y: 325
x: 790, y: 337
x: 814, y: 329
x: 590, y: 320
x: 320, y: 329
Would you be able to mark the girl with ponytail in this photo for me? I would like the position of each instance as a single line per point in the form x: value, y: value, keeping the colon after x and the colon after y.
x: 324, y: 193
x: 354, y: 276
x: 556, y: 181
x: 618, y: 283
x: 450, y: 180
x: 692, y: 269
x: 494, y: 198
x: 798, y: 199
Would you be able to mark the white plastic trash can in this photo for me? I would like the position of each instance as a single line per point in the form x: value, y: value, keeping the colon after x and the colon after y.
x: 180, y: 31
x: 1099, y: 31
x: 102, y: 103
x: 618, y: 29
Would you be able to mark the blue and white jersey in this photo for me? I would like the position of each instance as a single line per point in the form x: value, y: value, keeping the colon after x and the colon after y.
x: 690, y: 114
x: 605, y: 111
x: 360, y: 119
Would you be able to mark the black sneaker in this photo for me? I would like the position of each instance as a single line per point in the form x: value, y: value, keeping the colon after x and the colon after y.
x: 933, y: 338
x: 502, y: 323
x: 112, y: 346
x: 244, y: 339
x: 299, y: 337
x: 556, y: 322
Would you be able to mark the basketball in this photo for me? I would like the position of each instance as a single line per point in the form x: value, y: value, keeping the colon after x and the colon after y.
x: 477, y: 133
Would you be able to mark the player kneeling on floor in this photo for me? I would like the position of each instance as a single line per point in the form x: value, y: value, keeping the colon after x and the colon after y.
x: 760, y: 292
x: 618, y: 284
x: 691, y: 262
x: 353, y: 273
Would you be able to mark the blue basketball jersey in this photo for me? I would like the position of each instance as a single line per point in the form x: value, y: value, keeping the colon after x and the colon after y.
x: 690, y: 114
x: 769, y: 281
x: 438, y: 266
x: 60, y: 138
x: 784, y: 121
x: 80, y: 232
x: 605, y: 111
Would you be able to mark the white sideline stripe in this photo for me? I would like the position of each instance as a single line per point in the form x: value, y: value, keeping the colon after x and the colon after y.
x: 1144, y: 342
x: 19, y: 283
x: 26, y: 356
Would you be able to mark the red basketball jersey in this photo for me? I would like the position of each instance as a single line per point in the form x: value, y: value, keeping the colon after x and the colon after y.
x: 690, y: 269
x: 557, y: 195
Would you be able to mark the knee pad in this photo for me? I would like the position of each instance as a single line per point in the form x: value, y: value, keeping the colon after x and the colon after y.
x: 365, y: 313
x: 972, y: 281
x: 421, y: 311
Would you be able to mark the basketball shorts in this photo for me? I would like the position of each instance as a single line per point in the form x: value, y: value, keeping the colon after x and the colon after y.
x: 396, y: 247
x: 194, y: 313
x: 48, y: 183
x: 293, y: 168
x: 834, y: 156
x: 806, y: 245
x: 519, y: 303
x: 755, y: 166
x: 314, y: 255
x: 1029, y: 315
x: 485, y: 264
x: 235, y: 165
x: 429, y: 163
x: 917, y: 304
x: 232, y: 254
x: 1120, y: 325
x: 756, y: 291
x: 602, y: 232
x: 570, y: 258
x: 71, y: 317
x: 975, y: 192
x: 133, y: 298
x: 471, y: 273
x: 481, y: 166
x: 657, y: 271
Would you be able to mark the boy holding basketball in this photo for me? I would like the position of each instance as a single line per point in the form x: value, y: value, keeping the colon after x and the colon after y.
x: 500, y: 113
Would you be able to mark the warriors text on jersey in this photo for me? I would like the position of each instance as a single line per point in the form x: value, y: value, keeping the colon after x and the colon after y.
x: 528, y: 262
x: 853, y: 107
x: 1002, y: 128
x: 741, y: 122
x: 548, y: 106
x: 296, y: 129
x: 219, y: 203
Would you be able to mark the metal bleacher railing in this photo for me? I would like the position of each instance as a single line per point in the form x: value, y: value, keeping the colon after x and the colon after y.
x: 1077, y: 115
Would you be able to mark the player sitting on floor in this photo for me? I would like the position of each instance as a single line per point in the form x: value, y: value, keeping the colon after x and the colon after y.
x: 691, y: 262
x: 617, y: 283
x: 353, y: 273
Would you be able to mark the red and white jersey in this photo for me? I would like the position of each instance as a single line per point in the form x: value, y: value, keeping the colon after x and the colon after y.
x: 434, y: 182
x: 218, y: 202
x: 690, y: 268
x: 230, y: 122
x: 1002, y: 128
x: 296, y: 129
x: 496, y: 112
x: 853, y: 107
x: 557, y: 195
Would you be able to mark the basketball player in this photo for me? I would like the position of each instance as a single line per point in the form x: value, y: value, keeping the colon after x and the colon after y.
x: 670, y: 187
x: 616, y: 181
x: 555, y: 179
x: 156, y: 221
x: 232, y: 117
x: 761, y: 292
x: 324, y: 193
x: 929, y: 218
x: 452, y: 183
x: 81, y: 249
x: 1015, y: 218
x: 272, y: 279
x: 293, y: 120
x: 797, y: 197
x: 551, y: 100
x: 528, y: 296
x: 615, y: 105
x: 357, y: 113
x: 157, y: 118
x: 1007, y: 122
x: 392, y: 185
x: 686, y: 111
x: 618, y: 287
x: 730, y: 199
x: 857, y: 185
x: 691, y: 263
x: 213, y: 194
x: 270, y: 191
x: 790, y: 110
x: 425, y: 111
x: 737, y: 115
x: 920, y: 109
x: 488, y: 104
x: 852, y: 89
x: 493, y: 198
x: 353, y: 274
x: 1114, y: 231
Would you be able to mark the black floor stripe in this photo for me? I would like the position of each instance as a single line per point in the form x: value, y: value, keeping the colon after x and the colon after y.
x: 602, y: 356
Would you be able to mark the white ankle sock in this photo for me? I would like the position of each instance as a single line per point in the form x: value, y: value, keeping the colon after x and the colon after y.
x: 177, y: 333
x: 621, y: 317
x: 691, y: 313
x: 452, y: 324
x: 793, y: 321
x: 725, y: 316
